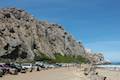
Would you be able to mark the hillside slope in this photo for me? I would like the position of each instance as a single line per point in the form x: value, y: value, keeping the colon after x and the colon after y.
x: 23, y: 37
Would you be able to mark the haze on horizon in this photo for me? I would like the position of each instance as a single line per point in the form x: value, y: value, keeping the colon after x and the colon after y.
x: 94, y: 22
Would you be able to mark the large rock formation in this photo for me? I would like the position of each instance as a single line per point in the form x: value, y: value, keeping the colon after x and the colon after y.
x: 95, y: 58
x: 23, y: 37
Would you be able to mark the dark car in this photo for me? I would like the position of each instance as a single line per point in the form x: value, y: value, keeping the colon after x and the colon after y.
x: 3, y: 68
x: 18, y: 67
x: 58, y: 65
x: 1, y: 72
x: 7, y: 68
x: 10, y: 69
x: 23, y: 70
x: 15, y: 66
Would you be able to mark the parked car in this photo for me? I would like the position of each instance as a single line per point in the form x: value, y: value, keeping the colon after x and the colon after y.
x: 37, y: 67
x: 10, y: 70
x: 58, y: 65
x: 27, y: 66
x: 1, y: 72
x: 18, y: 67
x: 44, y: 65
x: 51, y: 66
x: 23, y: 70
x: 13, y: 71
x: 39, y: 63
x: 7, y: 68
x: 3, y: 68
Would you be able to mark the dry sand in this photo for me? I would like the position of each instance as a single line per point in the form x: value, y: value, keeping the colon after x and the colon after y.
x: 111, y: 75
x: 51, y: 74
x: 72, y: 73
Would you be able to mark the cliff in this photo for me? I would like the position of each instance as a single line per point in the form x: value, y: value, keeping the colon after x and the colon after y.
x: 23, y: 37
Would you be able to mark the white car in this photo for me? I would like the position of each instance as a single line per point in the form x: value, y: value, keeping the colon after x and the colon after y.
x: 27, y: 66
x: 51, y: 66
x: 46, y: 65
x: 39, y: 63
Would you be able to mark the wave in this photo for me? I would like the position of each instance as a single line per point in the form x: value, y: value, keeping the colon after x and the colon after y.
x: 109, y: 66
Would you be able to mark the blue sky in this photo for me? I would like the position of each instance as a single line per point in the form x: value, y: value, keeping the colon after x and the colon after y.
x: 94, y: 22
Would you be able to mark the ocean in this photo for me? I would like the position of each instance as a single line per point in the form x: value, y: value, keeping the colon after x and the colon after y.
x: 113, y: 66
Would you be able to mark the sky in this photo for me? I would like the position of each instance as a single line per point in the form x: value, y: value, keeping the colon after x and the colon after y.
x: 96, y: 23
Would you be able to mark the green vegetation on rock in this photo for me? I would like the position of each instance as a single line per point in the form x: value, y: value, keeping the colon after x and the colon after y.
x: 70, y: 59
x: 61, y: 59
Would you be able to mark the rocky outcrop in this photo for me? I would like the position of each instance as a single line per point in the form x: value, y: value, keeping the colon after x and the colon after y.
x: 22, y: 37
x: 95, y: 58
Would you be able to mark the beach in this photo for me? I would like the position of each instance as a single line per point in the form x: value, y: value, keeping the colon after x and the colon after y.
x: 71, y: 73
x: 110, y: 74
x: 51, y: 74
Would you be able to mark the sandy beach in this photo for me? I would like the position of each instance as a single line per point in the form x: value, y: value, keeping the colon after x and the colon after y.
x: 52, y: 74
x: 71, y: 73
x: 110, y: 74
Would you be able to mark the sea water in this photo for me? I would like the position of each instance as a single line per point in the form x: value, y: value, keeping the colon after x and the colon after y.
x: 113, y: 66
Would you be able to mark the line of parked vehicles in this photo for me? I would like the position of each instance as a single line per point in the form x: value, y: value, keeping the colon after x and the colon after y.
x: 15, y: 68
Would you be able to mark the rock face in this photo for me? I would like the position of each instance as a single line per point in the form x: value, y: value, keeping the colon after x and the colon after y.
x: 95, y: 58
x: 23, y: 37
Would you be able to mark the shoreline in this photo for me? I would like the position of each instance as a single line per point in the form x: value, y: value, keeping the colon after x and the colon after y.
x: 109, y: 67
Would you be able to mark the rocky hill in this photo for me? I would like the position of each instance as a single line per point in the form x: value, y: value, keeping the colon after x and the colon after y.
x: 95, y: 58
x: 24, y: 37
